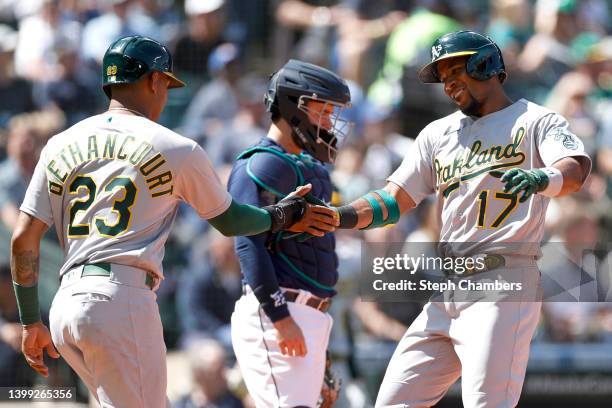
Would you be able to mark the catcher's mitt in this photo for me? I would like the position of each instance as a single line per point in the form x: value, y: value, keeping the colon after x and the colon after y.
x: 331, y: 387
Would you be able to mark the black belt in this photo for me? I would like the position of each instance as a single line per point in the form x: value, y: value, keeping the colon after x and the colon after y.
x: 104, y: 269
x: 313, y: 301
x: 490, y: 262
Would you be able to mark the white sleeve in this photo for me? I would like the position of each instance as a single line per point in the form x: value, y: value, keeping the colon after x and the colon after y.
x: 199, y: 185
x: 555, y: 140
x: 37, y: 202
x: 415, y: 174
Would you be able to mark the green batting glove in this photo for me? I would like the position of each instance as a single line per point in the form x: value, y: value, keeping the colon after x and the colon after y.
x: 527, y: 181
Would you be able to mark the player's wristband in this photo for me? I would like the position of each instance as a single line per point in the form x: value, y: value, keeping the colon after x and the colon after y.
x: 555, y: 182
x: 27, y: 302
x: 273, y: 303
x: 390, y: 203
x: 348, y: 217
x: 286, y: 212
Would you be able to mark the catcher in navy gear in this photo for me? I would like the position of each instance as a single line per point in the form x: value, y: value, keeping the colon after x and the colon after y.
x: 280, y: 328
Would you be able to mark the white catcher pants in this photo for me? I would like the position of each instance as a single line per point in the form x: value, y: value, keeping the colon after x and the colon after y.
x: 273, y: 379
x: 110, y: 332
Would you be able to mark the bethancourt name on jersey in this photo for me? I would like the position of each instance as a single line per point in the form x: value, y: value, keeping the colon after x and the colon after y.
x: 113, y: 147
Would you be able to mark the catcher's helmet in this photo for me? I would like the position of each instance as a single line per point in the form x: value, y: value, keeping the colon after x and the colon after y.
x: 288, y: 92
x: 129, y: 58
x: 485, y: 58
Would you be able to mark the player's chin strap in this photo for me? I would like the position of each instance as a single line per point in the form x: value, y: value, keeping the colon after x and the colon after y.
x: 349, y: 218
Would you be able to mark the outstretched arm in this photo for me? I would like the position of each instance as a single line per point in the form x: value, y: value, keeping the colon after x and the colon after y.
x: 292, y: 213
x: 361, y: 212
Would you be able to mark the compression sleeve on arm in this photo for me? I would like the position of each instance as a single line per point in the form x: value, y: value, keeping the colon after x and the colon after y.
x: 241, y: 219
x: 255, y: 260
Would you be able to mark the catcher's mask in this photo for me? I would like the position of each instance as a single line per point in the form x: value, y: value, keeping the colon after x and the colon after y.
x: 311, y: 99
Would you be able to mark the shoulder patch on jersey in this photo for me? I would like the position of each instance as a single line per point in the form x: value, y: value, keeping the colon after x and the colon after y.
x: 566, y: 137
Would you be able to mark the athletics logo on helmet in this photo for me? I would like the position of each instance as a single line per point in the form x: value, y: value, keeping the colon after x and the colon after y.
x: 290, y: 94
x: 129, y: 58
x: 435, y: 51
x: 484, y: 56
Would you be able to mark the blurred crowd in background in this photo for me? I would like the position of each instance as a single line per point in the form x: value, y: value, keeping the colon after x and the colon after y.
x: 558, y: 53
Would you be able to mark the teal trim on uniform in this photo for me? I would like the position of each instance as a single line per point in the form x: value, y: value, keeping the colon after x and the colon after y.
x: 314, y: 200
x: 289, y: 158
x: 285, y: 156
x: 307, y: 159
x: 301, y: 274
x: 260, y: 183
x: 393, y: 212
x: 377, y: 213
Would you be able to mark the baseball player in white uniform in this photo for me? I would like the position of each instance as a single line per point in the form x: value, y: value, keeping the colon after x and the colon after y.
x: 111, y: 185
x: 492, y: 166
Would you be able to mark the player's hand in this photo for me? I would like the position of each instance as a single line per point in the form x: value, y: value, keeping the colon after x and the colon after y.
x: 527, y: 181
x: 35, y: 339
x: 290, y: 338
x: 318, y: 219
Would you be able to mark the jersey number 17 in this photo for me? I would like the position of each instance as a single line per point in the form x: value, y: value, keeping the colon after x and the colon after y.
x: 483, y: 199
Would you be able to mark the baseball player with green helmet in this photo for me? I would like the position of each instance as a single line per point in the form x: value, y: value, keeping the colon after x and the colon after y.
x: 492, y: 166
x: 111, y: 185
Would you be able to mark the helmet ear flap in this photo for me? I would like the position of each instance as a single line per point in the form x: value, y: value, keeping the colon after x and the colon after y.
x: 486, y: 63
x: 502, y: 75
x: 270, y: 97
x: 134, y: 68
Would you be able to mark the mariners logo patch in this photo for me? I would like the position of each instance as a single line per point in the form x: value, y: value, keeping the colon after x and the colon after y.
x: 278, y: 298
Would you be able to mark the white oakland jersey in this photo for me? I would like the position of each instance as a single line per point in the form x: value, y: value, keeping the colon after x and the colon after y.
x: 111, y: 185
x: 461, y: 159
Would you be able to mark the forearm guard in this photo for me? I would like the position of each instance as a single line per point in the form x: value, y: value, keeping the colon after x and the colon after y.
x: 286, y: 212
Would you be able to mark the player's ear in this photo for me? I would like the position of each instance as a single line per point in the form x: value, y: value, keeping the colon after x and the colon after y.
x: 155, y: 81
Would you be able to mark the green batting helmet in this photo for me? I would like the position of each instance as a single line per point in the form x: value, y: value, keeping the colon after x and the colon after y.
x: 129, y: 58
x: 485, y: 58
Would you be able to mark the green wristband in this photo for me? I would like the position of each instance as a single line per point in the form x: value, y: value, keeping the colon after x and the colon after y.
x: 27, y: 302
x: 393, y: 212
x: 377, y: 213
